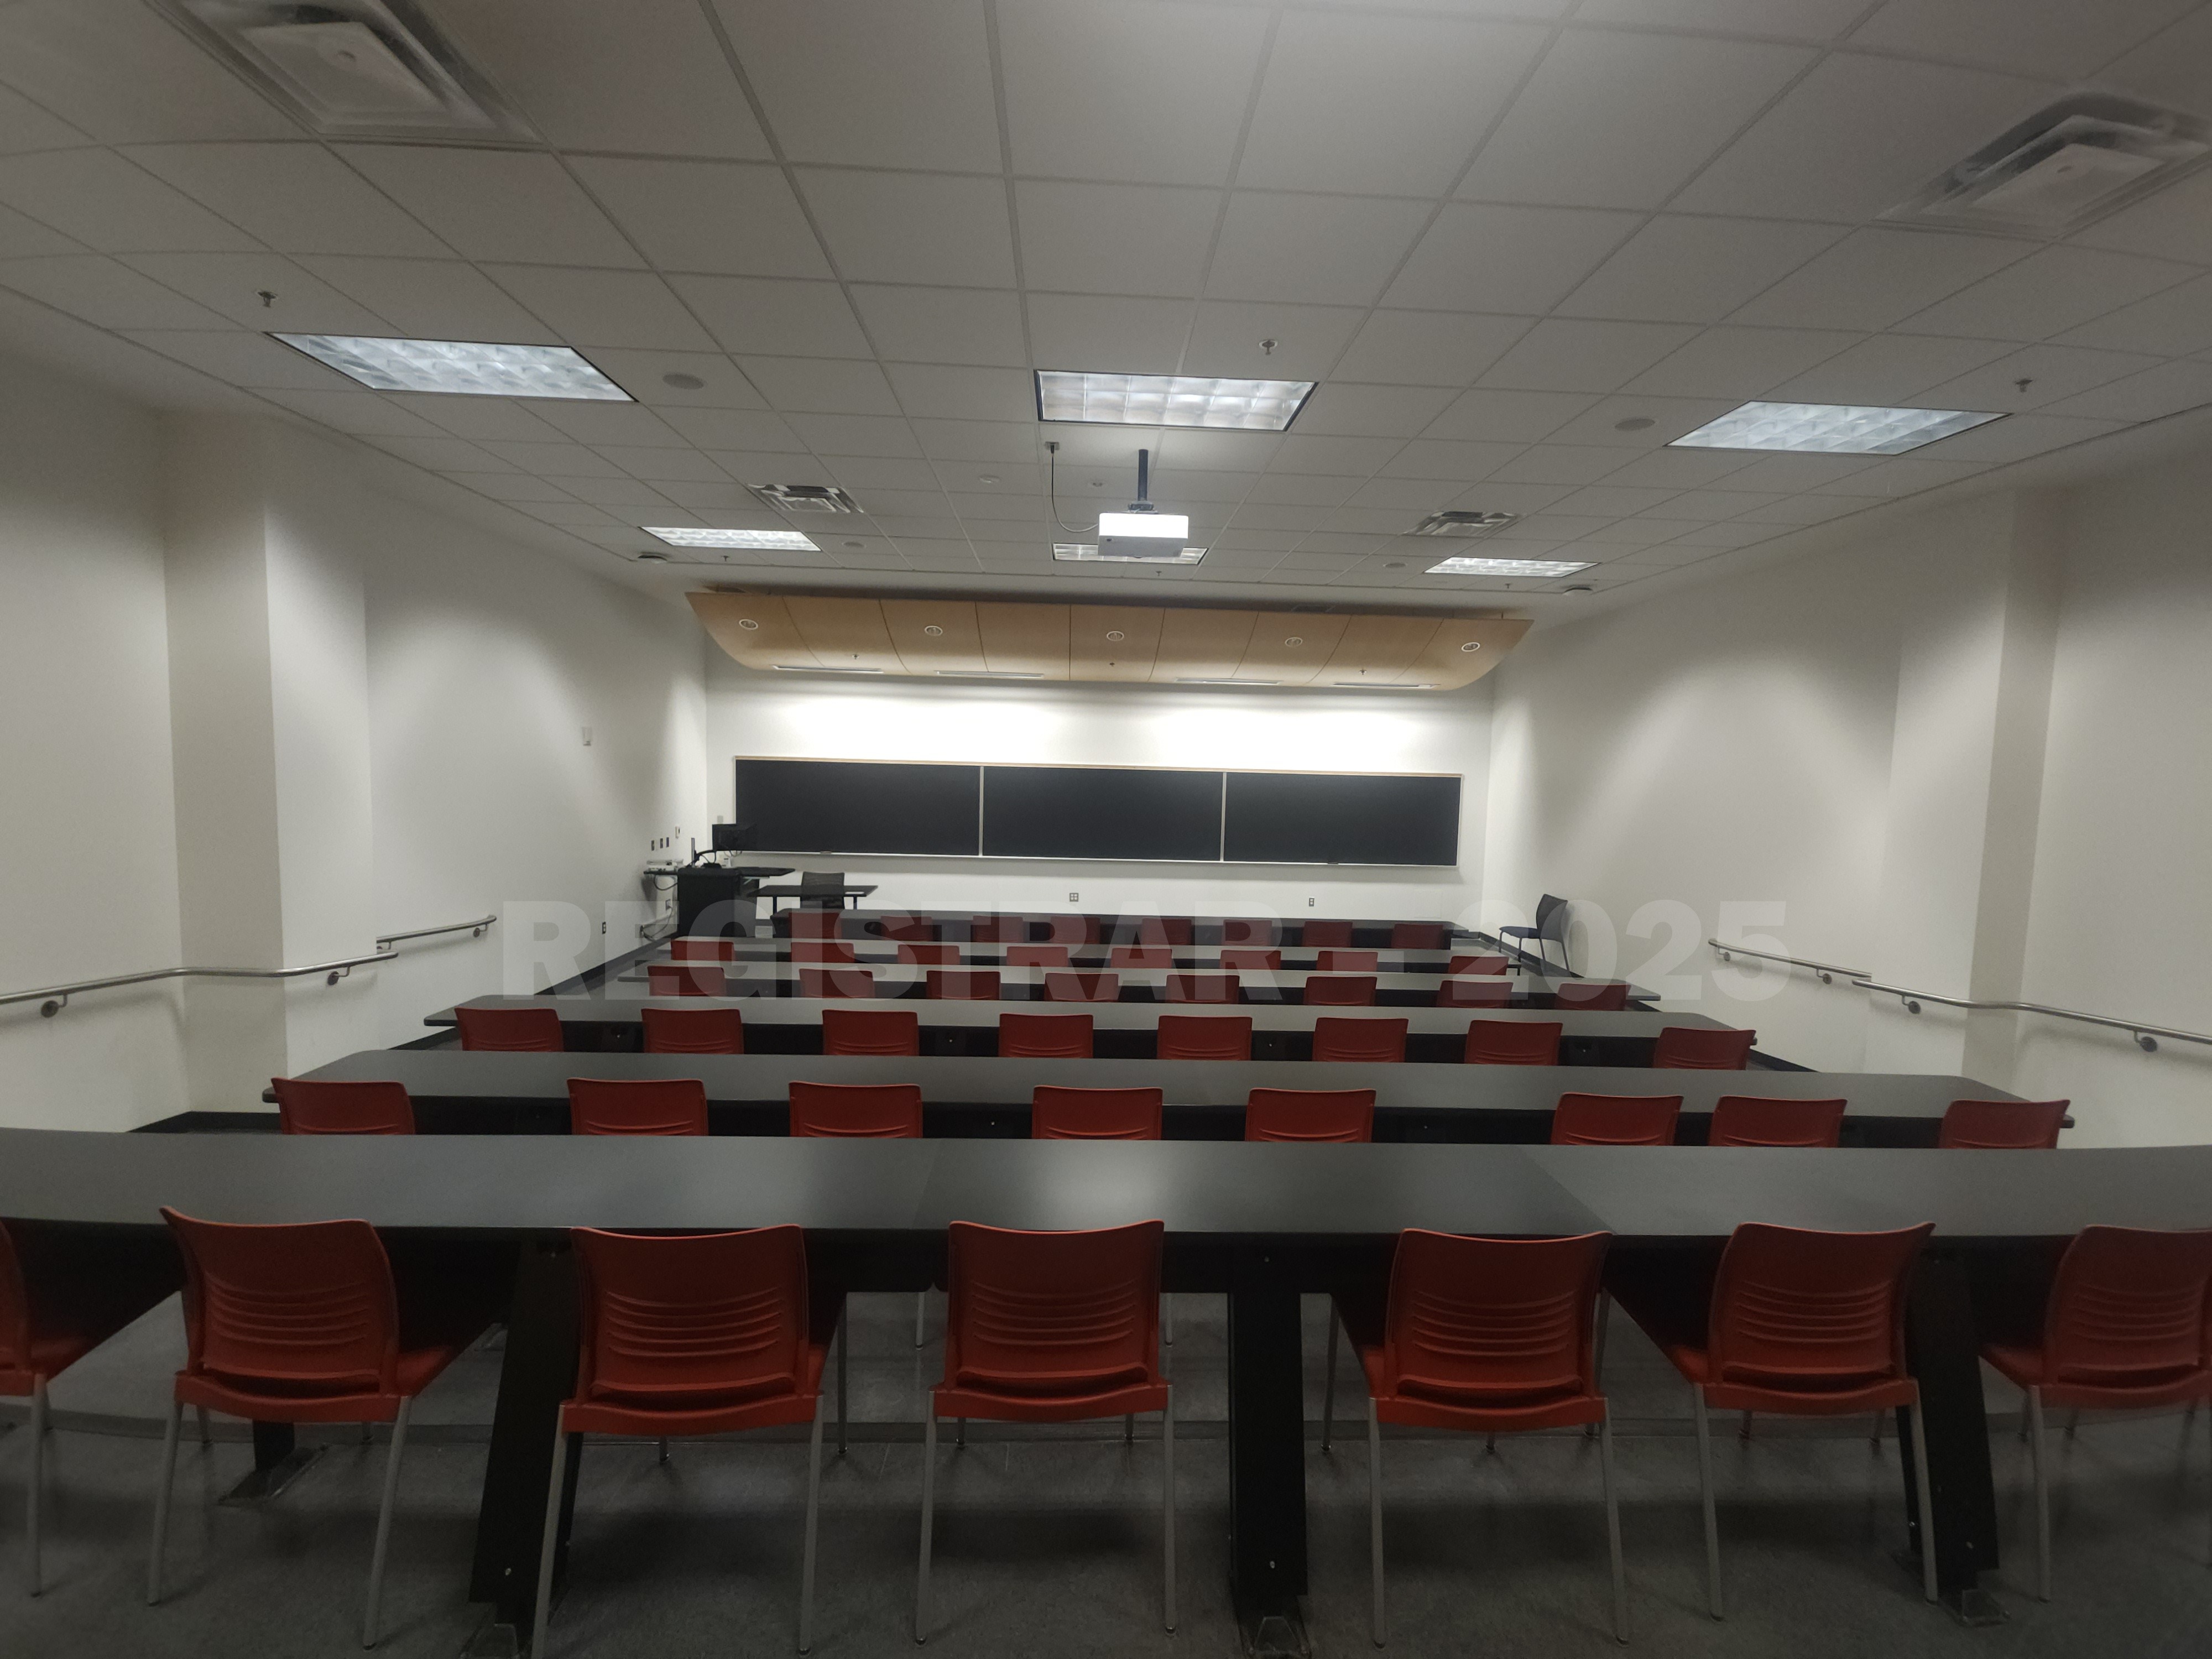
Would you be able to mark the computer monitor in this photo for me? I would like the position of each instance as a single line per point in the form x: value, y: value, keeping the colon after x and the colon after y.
x: 732, y: 837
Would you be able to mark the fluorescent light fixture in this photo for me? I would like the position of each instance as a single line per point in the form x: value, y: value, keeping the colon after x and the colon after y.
x: 776, y: 541
x: 1168, y: 553
x: 1209, y: 679
x: 1388, y: 685
x: 1507, y: 568
x: 471, y: 368
x: 992, y: 673
x: 816, y: 668
x: 1144, y: 526
x: 1830, y: 428
x: 1168, y: 400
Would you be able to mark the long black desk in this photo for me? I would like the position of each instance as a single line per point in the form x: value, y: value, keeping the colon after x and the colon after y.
x: 1262, y: 1223
x: 1069, y: 926
x: 462, y: 1093
x: 1087, y: 958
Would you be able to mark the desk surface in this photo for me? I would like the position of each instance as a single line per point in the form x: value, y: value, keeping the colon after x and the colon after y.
x: 1089, y: 958
x: 799, y: 890
x: 758, y: 978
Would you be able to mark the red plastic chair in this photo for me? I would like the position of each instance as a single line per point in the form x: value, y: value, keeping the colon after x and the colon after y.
x: 1474, y: 992
x: 1488, y: 967
x: 1615, y: 1120
x: 1204, y: 1036
x: 1140, y: 955
x: 1082, y: 987
x: 997, y: 930
x: 869, y: 1111
x: 695, y: 1335
x: 703, y: 949
x: 1486, y: 1336
x: 847, y: 984
x: 303, y: 1323
x: 1252, y: 960
x: 1050, y: 1328
x: 963, y: 985
x: 871, y: 1031
x: 686, y: 979
x: 1358, y: 1040
x: 1311, y: 1115
x: 1608, y: 997
x: 1036, y: 955
x: 1513, y: 1041
x: 1069, y: 930
x: 2125, y: 1330
x: 930, y: 955
x: 637, y: 1106
x: 837, y: 951
x: 1347, y: 961
x: 1698, y: 1048
x: 1250, y: 930
x: 509, y: 1031
x: 692, y: 1031
x: 2003, y: 1125
x: 1417, y: 935
x: 1340, y: 990
x: 1180, y: 931
x: 57, y: 1303
x: 1761, y: 1120
x: 1044, y: 1036
x: 1799, y: 1323
x: 814, y: 923
x: 1060, y: 1114
x: 1325, y: 933
x: 1204, y: 988
x: 306, y: 1106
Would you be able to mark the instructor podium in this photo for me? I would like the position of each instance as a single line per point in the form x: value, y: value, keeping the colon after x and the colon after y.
x: 715, y: 901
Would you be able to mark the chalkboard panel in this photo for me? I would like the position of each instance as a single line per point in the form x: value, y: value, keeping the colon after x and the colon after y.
x: 1300, y: 818
x: 1100, y: 812
x: 858, y: 806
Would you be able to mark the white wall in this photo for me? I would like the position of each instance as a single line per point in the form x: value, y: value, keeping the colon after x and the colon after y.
x: 758, y: 714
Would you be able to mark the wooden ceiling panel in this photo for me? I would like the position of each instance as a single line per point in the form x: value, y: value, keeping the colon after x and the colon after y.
x: 1094, y: 652
x: 956, y: 645
x: 1024, y: 638
x: 1378, y: 650
x: 755, y: 629
x: 1291, y: 648
x: 1202, y: 645
x: 1447, y: 664
x: 847, y: 634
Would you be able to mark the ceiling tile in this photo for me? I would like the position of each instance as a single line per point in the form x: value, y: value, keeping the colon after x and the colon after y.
x: 2150, y: 396
x: 597, y: 424
x: 105, y: 292
x: 1114, y: 239
x: 822, y: 386
x: 1823, y: 153
x: 1438, y: 457
x: 631, y: 308
x: 734, y: 428
x: 1229, y: 338
x: 2173, y: 223
x: 1352, y: 458
x: 2173, y: 68
x: 510, y: 486
x: 1144, y: 92
x: 494, y: 204
x: 1812, y: 509
x: 873, y: 472
x: 2047, y: 293
x: 856, y: 435
x: 122, y: 76
x: 1218, y: 452
x: 107, y: 202
x: 298, y: 198
x: 1632, y: 533
x: 912, y: 227
x: 943, y: 324
x: 1507, y: 416
x: 2051, y: 372
x: 1563, y: 355
x: 1876, y: 277
x: 2175, y: 322
x: 731, y: 218
x: 1706, y: 506
x: 234, y: 283
x: 1904, y: 475
x: 613, y: 492
x: 952, y: 392
x: 443, y: 454
x: 431, y: 299
x: 1427, y: 348
x: 774, y: 315
x: 1417, y: 496
x: 1506, y: 258
x: 1315, y: 249
x: 2059, y: 39
x: 1888, y: 369
x: 1560, y: 464
x: 479, y: 418
x: 1339, y: 408
x: 748, y: 467
x: 863, y: 84
x: 546, y: 459
x: 1740, y: 363
x: 1119, y: 336
x: 642, y: 373
x: 2016, y: 437
x: 663, y: 466
x: 1618, y: 120
x: 1680, y: 469
x: 363, y: 413
x: 1691, y: 269
x: 1610, y: 501
x: 24, y: 125
x: 243, y: 359
x: 1670, y: 417
x: 27, y: 239
x: 1389, y: 103
x: 1791, y: 473
x: 646, y: 75
x: 1742, y: 533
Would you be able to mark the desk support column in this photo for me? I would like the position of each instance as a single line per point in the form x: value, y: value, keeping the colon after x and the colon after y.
x: 1941, y: 1342
x: 1267, y: 1456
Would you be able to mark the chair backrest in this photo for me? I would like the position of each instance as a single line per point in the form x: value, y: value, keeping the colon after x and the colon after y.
x: 1081, y: 988
x: 963, y: 984
x: 509, y: 1031
x: 837, y: 951
x: 292, y: 1309
x: 1615, y: 1120
x: 1495, y: 1322
x: 1251, y: 958
x: 637, y: 1106
x: 1474, y: 992
x: 685, y: 979
x: 1764, y: 1120
x: 1360, y: 1040
x: 1347, y: 961
x: 1069, y: 930
x: 997, y: 930
x: 703, y: 949
x: 1416, y: 935
x: 1700, y: 1048
x: 2128, y: 1308
x: 692, y: 1031
x: 814, y: 923
x: 852, y: 984
x: 308, y: 1107
x: 1325, y: 933
x: 1250, y: 930
x: 1036, y: 955
x: 1056, y: 1314
x: 1044, y: 1036
x: 1205, y: 987
x: 1513, y: 1041
x: 1177, y: 931
x: 1204, y: 1036
x: 871, y: 1031
x: 1332, y: 1115
x: 1606, y: 996
x: 934, y: 956
x: 14, y: 1309
x: 1140, y: 955
x: 822, y: 889
x: 1340, y: 990
x: 1060, y: 1114
x: 1487, y: 965
x: 2003, y: 1124
x: 867, y: 1111
x: 1814, y: 1311
x: 1551, y: 918
x: 691, y: 1320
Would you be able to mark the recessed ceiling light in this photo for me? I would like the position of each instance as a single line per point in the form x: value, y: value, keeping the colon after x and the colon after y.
x: 778, y: 541
x: 1168, y: 553
x: 683, y: 382
x: 1462, y: 523
x: 1168, y: 400
x: 1507, y: 568
x: 472, y: 368
x: 1830, y: 428
x: 806, y: 498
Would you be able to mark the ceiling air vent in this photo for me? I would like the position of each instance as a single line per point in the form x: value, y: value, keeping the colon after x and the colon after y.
x: 1464, y: 524
x: 352, y: 67
x: 806, y: 498
x: 2079, y: 158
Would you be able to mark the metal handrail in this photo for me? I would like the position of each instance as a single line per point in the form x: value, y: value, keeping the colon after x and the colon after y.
x: 1825, y: 971
x: 53, y: 999
x: 2147, y: 1036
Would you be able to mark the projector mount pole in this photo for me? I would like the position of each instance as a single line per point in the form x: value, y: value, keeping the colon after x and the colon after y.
x: 1143, y: 503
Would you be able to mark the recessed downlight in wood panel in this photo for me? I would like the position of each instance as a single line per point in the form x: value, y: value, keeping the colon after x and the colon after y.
x: 1094, y: 652
x: 773, y: 637
x: 1378, y: 650
x: 846, y: 634
x: 1273, y: 656
x: 1445, y: 662
x: 957, y: 645
x: 1202, y: 644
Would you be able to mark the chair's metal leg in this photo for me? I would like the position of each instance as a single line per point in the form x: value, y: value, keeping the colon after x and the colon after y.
x: 928, y: 1519
x: 206, y: 1438
x: 1380, y: 1627
x: 1743, y: 1429
x: 161, y: 1501
x: 1874, y: 1435
x: 1604, y: 1319
x: 547, y: 1543
x: 1705, y: 1491
x: 2026, y: 1414
x: 38, y: 1485
x: 1167, y: 1320
x: 2073, y: 1422
x: 1490, y: 1444
x: 813, y: 1518
x: 2042, y: 1451
x: 920, y: 1311
x: 368, y: 1434
x: 662, y: 1450
x: 1613, y: 1528
x: 1927, y: 1502
x: 1328, y: 1388
x: 1129, y: 1429
x: 844, y: 1348
x: 1168, y: 1498
x: 383, y: 1523
x: 960, y: 1434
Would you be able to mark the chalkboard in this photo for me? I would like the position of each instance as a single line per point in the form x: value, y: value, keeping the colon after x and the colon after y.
x: 1308, y: 817
x: 858, y: 806
x: 1101, y: 812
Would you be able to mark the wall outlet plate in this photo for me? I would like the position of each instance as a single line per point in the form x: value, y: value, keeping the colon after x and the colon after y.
x: 1309, y: 904
x: 1072, y: 897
